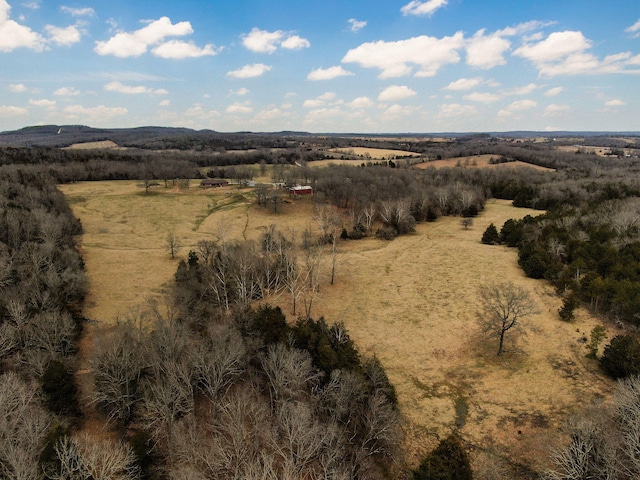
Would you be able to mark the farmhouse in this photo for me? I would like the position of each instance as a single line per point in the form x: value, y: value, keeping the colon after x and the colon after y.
x: 299, y: 190
x: 213, y: 182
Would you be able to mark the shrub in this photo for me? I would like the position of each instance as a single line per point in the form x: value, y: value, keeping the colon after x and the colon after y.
x: 491, y: 236
x: 567, y: 310
x: 621, y: 357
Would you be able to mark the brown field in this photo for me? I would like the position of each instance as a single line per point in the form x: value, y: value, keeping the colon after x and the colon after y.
x: 411, y: 302
x: 476, y: 161
x: 373, y: 153
x: 105, y: 144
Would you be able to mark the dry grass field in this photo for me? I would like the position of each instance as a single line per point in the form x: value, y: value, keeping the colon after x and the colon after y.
x: 373, y: 153
x: 412, y: 302
x: 105, y: 144
x: 476, y: 161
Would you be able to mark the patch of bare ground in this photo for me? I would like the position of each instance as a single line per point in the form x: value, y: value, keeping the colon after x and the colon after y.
x: 411, y: 302
x: 477, y: 161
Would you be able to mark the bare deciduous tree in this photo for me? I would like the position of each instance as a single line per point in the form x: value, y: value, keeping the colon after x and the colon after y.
x: 173, y: 244
x: 502, y: 308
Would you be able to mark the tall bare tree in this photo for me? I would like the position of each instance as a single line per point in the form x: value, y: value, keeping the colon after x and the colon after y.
x: 502, y: 308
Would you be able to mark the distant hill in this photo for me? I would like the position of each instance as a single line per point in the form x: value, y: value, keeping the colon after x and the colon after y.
x: 66, y: 135
x: 161, y: 138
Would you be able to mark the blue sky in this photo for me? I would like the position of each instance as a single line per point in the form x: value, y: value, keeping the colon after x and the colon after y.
x: 332, y: 66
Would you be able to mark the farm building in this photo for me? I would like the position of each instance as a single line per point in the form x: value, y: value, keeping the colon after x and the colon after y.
x: 299, y: 190
x: 213, y: 182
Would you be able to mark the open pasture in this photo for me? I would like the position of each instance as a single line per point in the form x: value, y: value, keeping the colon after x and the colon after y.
x: 476, y: 161
x: 367, y: 153
x: 411, y: 302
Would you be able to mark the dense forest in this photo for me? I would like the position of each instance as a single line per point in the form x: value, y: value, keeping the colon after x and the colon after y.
x: 212, y: 386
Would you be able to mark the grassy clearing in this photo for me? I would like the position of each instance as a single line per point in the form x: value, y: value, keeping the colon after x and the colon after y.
x: 411, y: 302
x: 476, y: 161
x: 373, y: 153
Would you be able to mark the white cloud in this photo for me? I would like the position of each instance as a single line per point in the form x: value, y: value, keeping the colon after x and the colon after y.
x: 263, y: 41
x: 35, y: 5
x: 487, y: 51
x: 241, y: 91
x: 357, y: 25
x: 327, y: 98
x: 464, y: 84
x: 79, y: 12
x: 482, y: 97
x: 634, y: 29
x: 237, y: 107
x: 11, y: 111
x: 565, y: 53
x: 517, y: 107
x: 552, y: 92
x: 13, y: 35
x: 165, y: 103
x: 554, y: 110
x: 328, y: 73
x: 134, y: 44
x: 67, y: 92
x: 249, y: 71
x: 395, y: 58
x: 18, y: 88
x: 394, y: 93
x: 452, y: 110
x: 615, y: 103
x: 43, y: 103
x: 416, y: 7
x: 526, y: 90
x: 177, y: 49
x: 64, y: 36
x: 132, y: 90
x: 270, y: 114
x: 295, y: 42
x: 361, y: 102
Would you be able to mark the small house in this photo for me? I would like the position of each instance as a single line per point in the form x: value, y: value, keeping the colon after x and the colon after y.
x: 213, y: 182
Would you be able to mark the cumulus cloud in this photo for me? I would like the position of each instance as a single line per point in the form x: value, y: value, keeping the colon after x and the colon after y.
x: 554, y: 110
x: 487, y: 51
x: 43, y: 103
x: 63, y: 36
x: 237, y: 107
x: 67, y: 92
x: 552, y: 92
x: 634, y: 29
x: 395, y: 93
x: 517, y: 107
x: 356, y: 25
x: 250, y: 71
x: 428, y: 8
x: 11, y: 111
x: 328, y: 73
x: 263, y: 41
x: 78, y: 12
x: 132, y: 90
x: 525, y: 90
x: 13, y: 35
x: 134, y: 44
x: 177, y: 49
x: 326, y: 99
x: 395, y: 59
x: 361, y: 102
x: 18, y: 88
x: 240, y: 92
x: 482, y: 97
x: 453, y: 110
x: 566, y: 53
x: 615, y: 103
x: 295, y: 42
x: 464, y: 84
